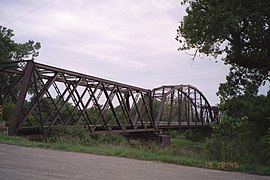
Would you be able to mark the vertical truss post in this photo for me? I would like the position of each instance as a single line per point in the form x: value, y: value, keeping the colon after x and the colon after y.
x: 161, y: 109
x: 180, y: 106
x: 127, y: 100
x: 196, y: 108
x: 151, y: 103
x: 201, y: 111
x: 171, y: 108
x: 188, y: 106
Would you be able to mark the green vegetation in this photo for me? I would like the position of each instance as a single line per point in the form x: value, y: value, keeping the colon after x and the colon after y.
x: 238, y: 32
x: 245, y: 130
x: 181, y: 151
x: 235, y: 31
x: 113, y: 145
x: 12, y: 51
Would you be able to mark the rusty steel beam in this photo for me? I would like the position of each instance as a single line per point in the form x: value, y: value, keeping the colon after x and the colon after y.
x: 54, y: 69
x: 46, y: 96
x: 190, y: 102
x: 14, y: 125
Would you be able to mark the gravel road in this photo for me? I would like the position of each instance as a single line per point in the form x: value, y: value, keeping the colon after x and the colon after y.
x: 33, y: 163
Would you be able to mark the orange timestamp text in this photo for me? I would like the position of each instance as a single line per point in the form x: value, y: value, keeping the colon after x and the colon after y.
x: 221, y: 164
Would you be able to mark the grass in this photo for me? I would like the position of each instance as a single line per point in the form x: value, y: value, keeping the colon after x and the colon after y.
x: 184, y: 142
x: 181, y: 151
x: 143, y: 153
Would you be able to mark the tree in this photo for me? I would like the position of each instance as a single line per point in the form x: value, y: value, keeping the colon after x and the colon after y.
x: 236, y: 30
x: 242, y: 81
x: 239, y: 33
x: 244, y: 132
x: 12, y: 51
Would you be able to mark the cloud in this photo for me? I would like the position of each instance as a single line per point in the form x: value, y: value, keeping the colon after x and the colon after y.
x: 127, y: 41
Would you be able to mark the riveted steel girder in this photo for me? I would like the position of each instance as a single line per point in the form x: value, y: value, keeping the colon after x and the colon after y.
x: 180, y: 106
x: 45, y: 97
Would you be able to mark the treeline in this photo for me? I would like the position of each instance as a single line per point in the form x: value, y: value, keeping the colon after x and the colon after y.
x: 69, y: 113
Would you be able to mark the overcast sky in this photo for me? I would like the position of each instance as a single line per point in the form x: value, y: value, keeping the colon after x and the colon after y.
x: 129, y: 41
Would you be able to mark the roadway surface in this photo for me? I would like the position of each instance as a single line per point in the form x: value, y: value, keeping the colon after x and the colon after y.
x: 33, y: 163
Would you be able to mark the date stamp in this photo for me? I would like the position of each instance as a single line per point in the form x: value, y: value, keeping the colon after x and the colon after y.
x: 221, y: 165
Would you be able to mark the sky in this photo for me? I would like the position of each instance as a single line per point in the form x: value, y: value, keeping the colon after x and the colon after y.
x: 128, y: 41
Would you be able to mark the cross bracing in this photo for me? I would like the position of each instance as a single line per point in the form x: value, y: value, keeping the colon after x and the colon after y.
x: 45, y: 97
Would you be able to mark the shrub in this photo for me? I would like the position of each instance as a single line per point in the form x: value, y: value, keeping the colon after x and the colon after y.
x: 233, y: 140
x: 197, y: 135
x: 8, y: 109
x: 78, y: 134
x: 264, y: 146
x: 110, y: 138
x: 75, y: 134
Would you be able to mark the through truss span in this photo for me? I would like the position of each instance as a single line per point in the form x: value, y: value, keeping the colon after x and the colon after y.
x: 45, y: 97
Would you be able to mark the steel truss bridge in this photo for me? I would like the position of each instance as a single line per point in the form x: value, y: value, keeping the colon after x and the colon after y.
x: 44, y: 97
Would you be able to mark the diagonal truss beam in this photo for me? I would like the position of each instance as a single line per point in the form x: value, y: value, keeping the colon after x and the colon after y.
x: 47, y: 96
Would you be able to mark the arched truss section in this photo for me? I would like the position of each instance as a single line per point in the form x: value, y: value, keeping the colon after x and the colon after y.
x: 44, y: 97
x: 180, y: 106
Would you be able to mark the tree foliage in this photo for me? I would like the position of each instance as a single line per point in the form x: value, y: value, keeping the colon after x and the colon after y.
x: 242, y: 81
x: 244, y: 132
x: 12, y: 51
x: 238, y: 31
